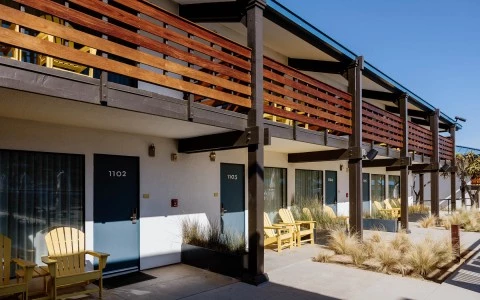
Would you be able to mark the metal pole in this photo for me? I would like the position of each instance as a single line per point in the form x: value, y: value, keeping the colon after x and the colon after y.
x: 453, y: 179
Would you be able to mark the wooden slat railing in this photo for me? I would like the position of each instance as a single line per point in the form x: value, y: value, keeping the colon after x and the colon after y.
x: 381, y: 126
x: 419, y: 139
x: 446, y: 148
x: 185, y: 57
x: 293, y: 96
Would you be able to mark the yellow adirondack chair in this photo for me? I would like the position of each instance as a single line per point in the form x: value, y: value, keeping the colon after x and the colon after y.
x: 52, y: 62
x: 395, y: 210
x: 378, y: 207
x: 6, y: 287
x: 277, y: 234
x: 329, y: 211
x: 66, y: 262
x: 301, y: 228
x: 10, y: 51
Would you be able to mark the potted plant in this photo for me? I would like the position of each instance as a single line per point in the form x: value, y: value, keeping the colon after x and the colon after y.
x: 418, y: 212
x: 206, y: 247
x: 380, y: 221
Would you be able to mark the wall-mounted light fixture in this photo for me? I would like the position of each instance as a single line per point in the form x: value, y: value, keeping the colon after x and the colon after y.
x: 173, y: 157
x: 444, y: 168
x: 151, y: 150
x: 341, y: 167
x: 212, y: 156
x: 371, y: 154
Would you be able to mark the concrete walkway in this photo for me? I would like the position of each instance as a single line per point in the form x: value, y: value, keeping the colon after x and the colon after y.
x: 293, y: 275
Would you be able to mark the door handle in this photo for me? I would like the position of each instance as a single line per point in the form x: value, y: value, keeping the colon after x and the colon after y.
x: 134, y: 216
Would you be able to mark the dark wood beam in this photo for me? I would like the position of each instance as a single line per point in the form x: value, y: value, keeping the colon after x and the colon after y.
x: 385, y: 96
x: 411, y: 112
x: 435, y: 160
x: 316, y: 156
x: 444, y: 127
x: 355, y: 77
x: 415, y: 168
x: 404, y: 186
x: 224, y: 12
x: 388, y: 162
x: 220, y: 141
x: 256, y: 271
x: 320, y: 66
x: 421, y: 189
x: 453, y: 179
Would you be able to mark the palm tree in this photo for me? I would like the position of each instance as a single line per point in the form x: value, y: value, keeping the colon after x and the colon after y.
x: 468, y: 166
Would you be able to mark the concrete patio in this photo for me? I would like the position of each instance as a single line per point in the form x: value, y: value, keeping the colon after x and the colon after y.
x: 293, y: 275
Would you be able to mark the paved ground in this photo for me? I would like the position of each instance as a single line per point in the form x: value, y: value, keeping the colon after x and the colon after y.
x: 293, y: 275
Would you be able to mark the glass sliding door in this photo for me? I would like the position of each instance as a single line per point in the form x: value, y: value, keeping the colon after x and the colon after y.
x: 275, y: 191
x: 377, y: 183
x: 39, y: 191
x: 308, y: 188
x: 393, y: 187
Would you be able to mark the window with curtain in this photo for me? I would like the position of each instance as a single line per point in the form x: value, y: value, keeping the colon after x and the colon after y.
x: 393, y: 187
x: 39, y: 191
x: 275, y: 191
x: 308, y: 187
x: 377, y: 191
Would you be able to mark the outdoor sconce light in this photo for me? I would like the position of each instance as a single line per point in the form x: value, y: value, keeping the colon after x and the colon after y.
x: 341, y: 167
x: 151, y: 150
x: 212, y: 156
x: 371, y: 154
x: 173, y: 157
x: 444, y: 168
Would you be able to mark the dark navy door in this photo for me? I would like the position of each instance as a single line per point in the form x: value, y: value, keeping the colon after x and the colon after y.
x: 232, y: 198
x: 331, y: 189
x: 366, y: 193
x: 115, y: 211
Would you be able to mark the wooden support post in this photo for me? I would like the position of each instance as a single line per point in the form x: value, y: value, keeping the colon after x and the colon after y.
x: 435, y: 160
x: 403, y: 106
x: 256, y: 273
x: 355, y: 71
x: 421, y: 190
x: 453, y: 179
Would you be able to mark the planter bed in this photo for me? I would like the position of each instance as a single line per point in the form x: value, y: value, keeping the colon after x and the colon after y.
x: 415, y: 217
x: 223, y: 263
x: 380, y: 224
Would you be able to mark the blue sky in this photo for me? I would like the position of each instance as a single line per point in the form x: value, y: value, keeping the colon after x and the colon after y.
x: 432, y: 47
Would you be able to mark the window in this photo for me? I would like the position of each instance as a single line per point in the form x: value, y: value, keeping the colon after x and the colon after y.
x: 39, y: 191
x: 377, y: 192
x: 308, y: 187
x: 275, y: 191
x: 393, y: 187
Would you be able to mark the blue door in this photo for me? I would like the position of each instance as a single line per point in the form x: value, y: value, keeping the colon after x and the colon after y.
x: 115, y: 211
x: 331, y: 189
x: 366, y: 193
x: 232, y: 198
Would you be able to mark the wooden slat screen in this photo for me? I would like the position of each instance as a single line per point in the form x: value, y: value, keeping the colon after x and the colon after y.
x: 294, y: 96
x: 181, y: 55
x: 381, y: 126
x: 419, y: 139
x: 446, y: 148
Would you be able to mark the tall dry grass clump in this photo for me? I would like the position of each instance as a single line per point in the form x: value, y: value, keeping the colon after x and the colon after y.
x: 401, y: 242
x: 421, y: 258
x: 324, y: 256
x: 468, y: 220
x: 387, y: 257
x: 342, y: 242
x: 428, y: 222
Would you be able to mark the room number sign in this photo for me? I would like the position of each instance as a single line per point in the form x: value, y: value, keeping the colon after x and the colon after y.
x: 232, y: 176
x: 117, y: 173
